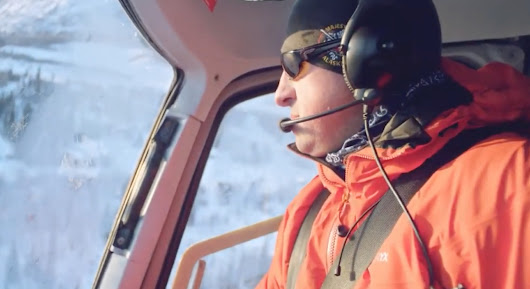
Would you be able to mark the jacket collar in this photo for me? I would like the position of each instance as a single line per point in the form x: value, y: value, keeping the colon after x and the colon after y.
x: 499, y: 94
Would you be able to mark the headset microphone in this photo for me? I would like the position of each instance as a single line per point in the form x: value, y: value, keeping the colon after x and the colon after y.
x: 286, y: 124
x: 362, y: 96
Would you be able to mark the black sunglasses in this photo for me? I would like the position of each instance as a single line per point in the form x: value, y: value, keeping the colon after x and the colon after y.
x: 292, y: 60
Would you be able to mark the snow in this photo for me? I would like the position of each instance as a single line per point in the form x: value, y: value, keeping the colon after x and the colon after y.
x: 32, y: 16
x: 62, y: 179
x: 87, y: 91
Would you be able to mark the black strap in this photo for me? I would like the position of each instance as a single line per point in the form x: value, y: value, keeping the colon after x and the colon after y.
x: 366, y: 241
x: 360, y: 250
x: 300, y: 244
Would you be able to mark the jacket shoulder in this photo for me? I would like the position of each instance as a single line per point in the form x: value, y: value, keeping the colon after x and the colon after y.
x: 484, y: 180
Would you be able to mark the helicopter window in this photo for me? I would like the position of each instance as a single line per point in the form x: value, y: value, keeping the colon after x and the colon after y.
x: 79, y: 92
x: 250, y: 176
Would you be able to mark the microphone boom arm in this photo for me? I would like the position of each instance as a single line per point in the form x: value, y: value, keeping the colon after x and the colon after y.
x: 287, y: 123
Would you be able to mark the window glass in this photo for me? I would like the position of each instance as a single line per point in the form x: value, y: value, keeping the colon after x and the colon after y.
x: 250, y: 176
x: 79, y: 92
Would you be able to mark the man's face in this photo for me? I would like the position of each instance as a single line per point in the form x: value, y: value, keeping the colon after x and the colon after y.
x: 314, y: 91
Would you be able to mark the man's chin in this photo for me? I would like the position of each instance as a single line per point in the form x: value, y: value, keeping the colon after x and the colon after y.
x: 309, y: 149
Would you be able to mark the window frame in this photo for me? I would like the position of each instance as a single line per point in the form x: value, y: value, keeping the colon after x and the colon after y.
x: 228, y: 101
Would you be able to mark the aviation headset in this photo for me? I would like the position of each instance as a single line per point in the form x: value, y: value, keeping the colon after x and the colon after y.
x: 387, y: 45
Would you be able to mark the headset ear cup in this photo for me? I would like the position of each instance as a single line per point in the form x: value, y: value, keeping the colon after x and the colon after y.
x: 346, y: 36
x: 363, y: 63
x: 387, y: 45
x: 363, y: 58
x: 359, y: 45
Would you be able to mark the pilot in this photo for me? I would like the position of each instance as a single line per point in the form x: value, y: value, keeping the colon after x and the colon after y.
x: 451, y: 140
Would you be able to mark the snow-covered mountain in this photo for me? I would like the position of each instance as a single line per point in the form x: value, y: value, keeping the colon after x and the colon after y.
x: 79, y: 90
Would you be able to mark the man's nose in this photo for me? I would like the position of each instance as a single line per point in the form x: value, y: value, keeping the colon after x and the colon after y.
x: 285, y: 94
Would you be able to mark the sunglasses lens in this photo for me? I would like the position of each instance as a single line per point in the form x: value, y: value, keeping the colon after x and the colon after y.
x: 291, y: 63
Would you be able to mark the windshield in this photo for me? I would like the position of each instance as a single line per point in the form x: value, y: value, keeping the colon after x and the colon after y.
x: 79, y: 93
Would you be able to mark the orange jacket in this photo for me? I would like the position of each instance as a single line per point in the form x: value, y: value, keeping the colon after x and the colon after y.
x: 473, y: 214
